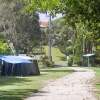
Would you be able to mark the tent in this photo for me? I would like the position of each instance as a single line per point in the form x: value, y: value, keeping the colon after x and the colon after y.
x: 18, y: 66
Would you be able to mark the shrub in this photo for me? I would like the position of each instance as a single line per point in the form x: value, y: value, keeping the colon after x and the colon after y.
x: 77, y: 60
x: 70, y: 61
x: 4, y: 49
x: 45, y: 61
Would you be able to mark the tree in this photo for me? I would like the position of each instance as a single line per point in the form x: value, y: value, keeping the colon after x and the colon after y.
x: 41, y: 5
x: 86, y: 12
x: 21, y: 28
x: 64, y: 34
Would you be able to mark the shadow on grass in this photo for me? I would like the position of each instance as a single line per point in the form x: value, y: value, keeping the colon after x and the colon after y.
x: 4, y: 80
x: 58, y: 66
x: 57, y: 70
x: 16, y: 94
x: 98, y: 84
x: 40, y: 93
x: 62, y: 58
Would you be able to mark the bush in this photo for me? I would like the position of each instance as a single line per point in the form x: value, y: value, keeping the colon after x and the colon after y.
x: 4, y: 49
x: 76, y: 59
x: 70, y: 61
x: 45, y: 61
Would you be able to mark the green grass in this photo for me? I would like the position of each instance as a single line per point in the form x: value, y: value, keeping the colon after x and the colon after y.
x: 97, y: 81
x: 17, y: 88
x: 56, y: 54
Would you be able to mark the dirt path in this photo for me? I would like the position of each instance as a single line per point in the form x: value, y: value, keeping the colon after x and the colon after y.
x: 75, y: 86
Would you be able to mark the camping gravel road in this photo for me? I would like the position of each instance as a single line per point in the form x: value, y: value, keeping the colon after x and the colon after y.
x: 76, y: 86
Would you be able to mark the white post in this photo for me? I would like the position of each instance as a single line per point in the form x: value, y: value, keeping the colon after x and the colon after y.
x: 49, y: 40
x: 88, y: 62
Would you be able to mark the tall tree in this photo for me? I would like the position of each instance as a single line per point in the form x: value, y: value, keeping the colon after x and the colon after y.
x: 86, y: 12
x: 22, y: 29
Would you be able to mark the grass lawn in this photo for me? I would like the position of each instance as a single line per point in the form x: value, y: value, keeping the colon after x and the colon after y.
x: 17, y: 88
x: 56, y: 54
x: 97, y: 81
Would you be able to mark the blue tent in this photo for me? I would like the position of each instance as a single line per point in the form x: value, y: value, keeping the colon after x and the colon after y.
x: 18, y: 66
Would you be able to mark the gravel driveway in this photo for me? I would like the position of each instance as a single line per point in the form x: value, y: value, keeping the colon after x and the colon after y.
x: 76, y: 86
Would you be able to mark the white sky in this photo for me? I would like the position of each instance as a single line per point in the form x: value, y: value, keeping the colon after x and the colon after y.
x: 45, y: 17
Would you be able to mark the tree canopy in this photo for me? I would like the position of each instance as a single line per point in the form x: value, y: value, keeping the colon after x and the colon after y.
x: 21, y: 28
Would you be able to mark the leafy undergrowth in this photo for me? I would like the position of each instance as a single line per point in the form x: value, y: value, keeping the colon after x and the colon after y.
x: 17, y: 88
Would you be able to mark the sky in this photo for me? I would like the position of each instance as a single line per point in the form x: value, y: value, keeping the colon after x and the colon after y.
x: 45, y: 17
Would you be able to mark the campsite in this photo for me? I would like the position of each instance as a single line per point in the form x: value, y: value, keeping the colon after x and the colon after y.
x: 49, y: 49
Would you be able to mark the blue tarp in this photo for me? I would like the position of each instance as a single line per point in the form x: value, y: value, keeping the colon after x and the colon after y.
x: 14, y: 59
x: 18, y: 66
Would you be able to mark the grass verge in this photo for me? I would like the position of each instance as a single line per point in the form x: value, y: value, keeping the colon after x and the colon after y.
x: 97, y: 81
x: 17, y: 88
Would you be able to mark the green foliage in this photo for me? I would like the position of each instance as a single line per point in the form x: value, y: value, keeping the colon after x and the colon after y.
x: 38, y: 50
x: 28, y: 30
x: 97, y: 52
x: 77, y: 41
x: 46, y: 62
x: 64, y: 35
x: 86, y: 13
x: 70, y: 60
x: 41, y: 5
x: 4, y: 48
x: 82, y: 10
x: 77, y: 60
x: 21, y: 28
